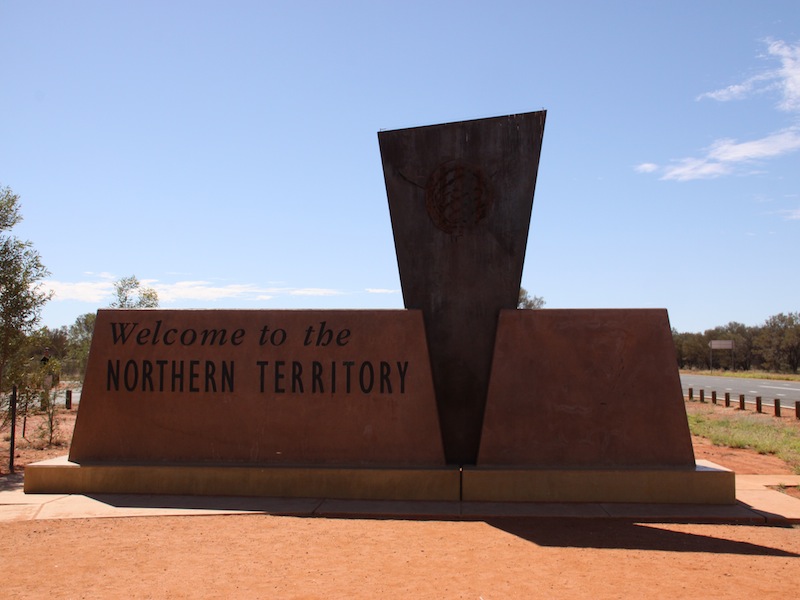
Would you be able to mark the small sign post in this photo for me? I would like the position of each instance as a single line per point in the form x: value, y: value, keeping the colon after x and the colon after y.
x: 13, y: 428
x: 719, y: 345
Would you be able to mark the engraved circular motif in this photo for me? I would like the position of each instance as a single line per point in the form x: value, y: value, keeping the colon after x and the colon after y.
x: 457, y: 197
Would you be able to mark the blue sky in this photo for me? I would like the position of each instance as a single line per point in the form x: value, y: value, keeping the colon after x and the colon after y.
x: 226, y: 152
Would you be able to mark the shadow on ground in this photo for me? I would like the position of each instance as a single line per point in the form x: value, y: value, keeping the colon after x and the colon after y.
x: 610, y: 533
x: 617, y: 534
x: 12, y: 482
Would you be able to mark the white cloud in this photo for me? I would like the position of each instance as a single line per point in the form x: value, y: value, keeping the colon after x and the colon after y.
x: 646, y: 168
x: 736, y: 91
x: 776, y: 144
x: 785, y: 79
x: 381, y: 291
x: 99, y: 290
x: 790, y: 215
x: 788, y: 74
x: 688, y: 169
x: 202, y: 290
x: 727, y: 156
x: 314, y: 292
x: 730, y: 157
x: 83, y: 291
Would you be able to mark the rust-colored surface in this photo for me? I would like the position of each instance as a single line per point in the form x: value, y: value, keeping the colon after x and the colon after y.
x: 460, y: 198
x: 585, y: 388
x: 264, y: 556
x: 330, y: 387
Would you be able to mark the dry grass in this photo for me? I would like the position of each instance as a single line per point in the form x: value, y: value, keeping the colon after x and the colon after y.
x: 741, y: 429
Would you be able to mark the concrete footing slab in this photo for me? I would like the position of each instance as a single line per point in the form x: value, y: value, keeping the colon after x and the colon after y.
x: 758, y: 502
x: 707, y: 483
x: 59, y: 475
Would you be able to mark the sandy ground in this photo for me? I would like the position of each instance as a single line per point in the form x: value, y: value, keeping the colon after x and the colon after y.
x: 258, y: 556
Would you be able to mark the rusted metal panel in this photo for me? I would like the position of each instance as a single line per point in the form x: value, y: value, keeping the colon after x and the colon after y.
x: 460, y: 197
x: 271, y: 387
x: 585, y: 388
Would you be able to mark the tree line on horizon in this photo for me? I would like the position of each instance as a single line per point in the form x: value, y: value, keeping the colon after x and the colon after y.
x: 33, y: 358
x: 773, y: 346
x: 69, y: 346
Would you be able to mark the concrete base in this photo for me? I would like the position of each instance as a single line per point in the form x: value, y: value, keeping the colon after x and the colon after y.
x: 707, y: 483
x: 62, y: 476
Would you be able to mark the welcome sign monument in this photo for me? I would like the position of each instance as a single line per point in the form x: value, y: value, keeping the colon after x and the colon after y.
x: 458, y: 397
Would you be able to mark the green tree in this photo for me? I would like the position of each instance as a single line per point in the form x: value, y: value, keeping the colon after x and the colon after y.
x: 678, y: 340
x: 21, y: 293
x: 130, y: 293
x: 691, y: 350
x: 526, y: 301
x: 80, y: 340
x: 34, y: 372
x: 779, y: 342
x: 54, y: 341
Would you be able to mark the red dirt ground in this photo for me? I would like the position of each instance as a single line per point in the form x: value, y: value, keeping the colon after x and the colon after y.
x: 255, y: 556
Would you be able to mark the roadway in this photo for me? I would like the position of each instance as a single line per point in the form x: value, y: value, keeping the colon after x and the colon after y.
x: 788, y: 392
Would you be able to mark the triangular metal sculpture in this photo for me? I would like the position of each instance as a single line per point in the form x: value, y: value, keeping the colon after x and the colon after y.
x: 460, y: 198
